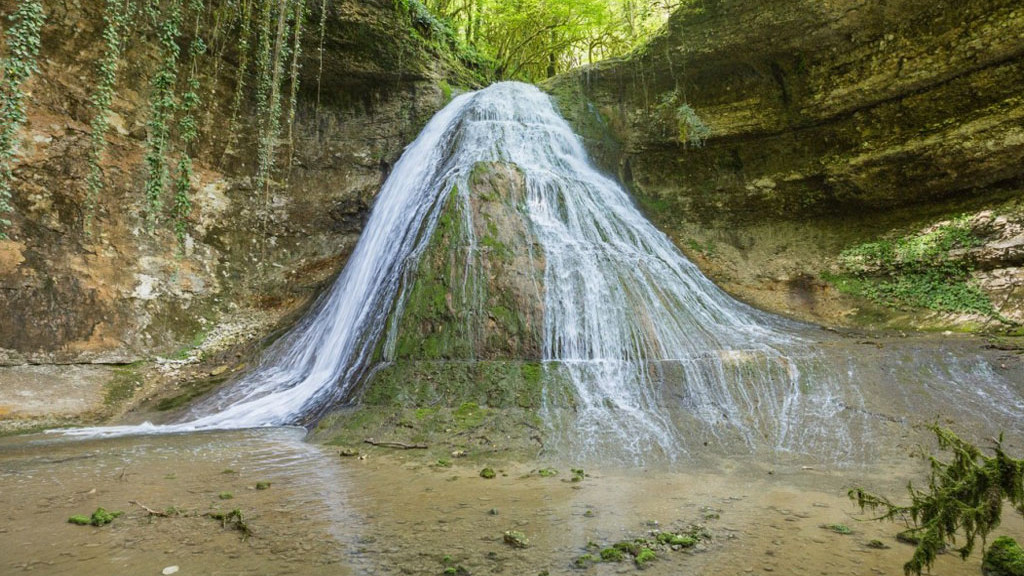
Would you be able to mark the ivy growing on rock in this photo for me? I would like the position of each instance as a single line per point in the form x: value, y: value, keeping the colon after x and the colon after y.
x: 117, y: 18
x: 162, y: 104
x: 188, y: 129
x: 22, y: 38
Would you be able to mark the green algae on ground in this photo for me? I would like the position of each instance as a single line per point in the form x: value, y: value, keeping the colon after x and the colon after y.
x: 488, y: 473
x: 838, y: 528
x: 612, y: 555
x: 516, y: 539
x: 673, y: 539
x: 644, y: 556
x: 233, y: 520
x: 101, y: 517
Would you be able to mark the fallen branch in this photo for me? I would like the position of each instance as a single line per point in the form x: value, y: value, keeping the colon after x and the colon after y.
x: 148, y: 509
x: 398, y: 445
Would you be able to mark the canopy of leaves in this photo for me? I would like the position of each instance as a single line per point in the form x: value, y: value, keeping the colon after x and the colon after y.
x: 964, y: 499
x: 534, y: 39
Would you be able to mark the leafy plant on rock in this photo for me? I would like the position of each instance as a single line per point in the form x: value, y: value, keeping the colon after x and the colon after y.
x: 22, y: 38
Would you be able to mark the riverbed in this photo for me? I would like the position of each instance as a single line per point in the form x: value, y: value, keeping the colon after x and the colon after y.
x: 395, y: 512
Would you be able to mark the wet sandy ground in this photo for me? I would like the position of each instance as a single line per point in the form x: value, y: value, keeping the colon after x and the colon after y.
x: 397, y: 514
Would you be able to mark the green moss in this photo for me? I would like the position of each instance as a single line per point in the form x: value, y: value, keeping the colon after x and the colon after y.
x: 584, y: 561
x: 1003, y: 558
x: 263, y: 485
x: 516, y: 539
x: 838, y: 528
x: 672, y: 539
x: 547, y: 472
x: 225, y: 495
x: 122, y: 386
x: 577, y: 475
x: 628, y: 547
x: 612, y: 555
x: 488, y: 473
x: 469, y: 415
x: 644, y: 556
x: 101, y: 517
x: 192, y: 390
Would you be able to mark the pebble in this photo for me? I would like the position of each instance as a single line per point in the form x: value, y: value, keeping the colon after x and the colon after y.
x: 169, y: 570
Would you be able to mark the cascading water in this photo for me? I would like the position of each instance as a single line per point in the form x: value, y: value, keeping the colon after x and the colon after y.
x: 649, y: 346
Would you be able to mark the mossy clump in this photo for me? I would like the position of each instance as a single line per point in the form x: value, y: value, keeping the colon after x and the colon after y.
x: 1003, y: 558
x: 629, y: 547
x: 584, y: 561
x: 577, y: 475
x: 516, y: 539
x: 838, y: 528
x: 488, y: 473
x: 672, y: 539
x: 101, y: 517
x: 612, y: 555
x: 225, y: 495
x: 262, y: 485
x: 547, y: 472
x: 877, y: 545
x: 644, y: 556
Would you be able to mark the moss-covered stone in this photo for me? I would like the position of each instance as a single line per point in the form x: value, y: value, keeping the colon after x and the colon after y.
x: 1003, y: 558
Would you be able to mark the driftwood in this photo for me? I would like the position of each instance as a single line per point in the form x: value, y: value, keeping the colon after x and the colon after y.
x: 398, y: 445
x: 148, y: 509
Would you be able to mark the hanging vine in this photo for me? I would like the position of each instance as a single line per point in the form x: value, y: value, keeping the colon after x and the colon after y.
x: 299, y: 16
x: 320, y: 71
x: 162, y: 105
x: 117, y: 17
x: 22, y: 38
x: 188, y: 130
x: 244, y: 50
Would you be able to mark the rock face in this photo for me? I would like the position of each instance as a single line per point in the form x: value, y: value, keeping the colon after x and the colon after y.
x: 250, y: 258
x: 823, y: 125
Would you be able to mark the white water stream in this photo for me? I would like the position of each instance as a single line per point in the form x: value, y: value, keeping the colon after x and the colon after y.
x: 639, y: 332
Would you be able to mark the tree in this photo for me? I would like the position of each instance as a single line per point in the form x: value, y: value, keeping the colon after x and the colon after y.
x: 964, y: 497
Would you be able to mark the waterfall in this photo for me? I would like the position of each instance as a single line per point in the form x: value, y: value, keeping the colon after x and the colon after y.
x: 659, y: 360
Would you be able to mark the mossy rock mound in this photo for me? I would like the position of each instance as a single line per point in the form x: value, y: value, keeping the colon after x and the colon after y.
x: 1003, y: 558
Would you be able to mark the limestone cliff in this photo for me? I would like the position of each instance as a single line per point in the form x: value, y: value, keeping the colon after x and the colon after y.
x: 123, y: 294
x: 767, y: 138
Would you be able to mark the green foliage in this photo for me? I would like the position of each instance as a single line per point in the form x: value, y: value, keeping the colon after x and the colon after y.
x: 101, y: 517
x: 534, y: 39
x: 117, y: 18
x: 162, y: 104
x: 692, y: 130
x: 964, y: 499
x: 919, y: 271
x: 188, y: 130
x: 22, y: 37
x: 488, y: 473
